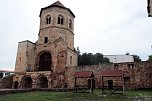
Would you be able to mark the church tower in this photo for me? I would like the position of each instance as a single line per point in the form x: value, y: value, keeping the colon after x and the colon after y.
x: 55, y: 45
x: 42, y: 64
x: 54, y: 50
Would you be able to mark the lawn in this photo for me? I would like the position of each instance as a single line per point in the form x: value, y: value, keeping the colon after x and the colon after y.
x: 135, y: 95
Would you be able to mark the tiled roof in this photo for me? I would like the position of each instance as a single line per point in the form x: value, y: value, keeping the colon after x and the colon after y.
x: 111, y: 73
x: 57, y: 4
x: 83, y: 74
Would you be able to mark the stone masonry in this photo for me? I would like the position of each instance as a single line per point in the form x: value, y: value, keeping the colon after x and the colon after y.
x: 136, y: 74
x: 42, y: 64
x: 51, y: 61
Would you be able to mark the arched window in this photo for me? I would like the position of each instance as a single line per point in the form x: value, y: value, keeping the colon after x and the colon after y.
x: 70, y: 23
x: 46, y: 40
x: 60, y: 19
x: 45, y: 62
x: 48, y: 19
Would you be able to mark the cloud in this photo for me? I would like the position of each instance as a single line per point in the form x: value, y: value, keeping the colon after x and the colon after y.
x: 106, y: 26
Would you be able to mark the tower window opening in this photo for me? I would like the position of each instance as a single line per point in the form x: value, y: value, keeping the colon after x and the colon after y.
x: 20, y: 59
x: 48, y: 20
x: 60, y: 20
x: 46, y: 40
x: 70, y: 60
x: 70, y: 24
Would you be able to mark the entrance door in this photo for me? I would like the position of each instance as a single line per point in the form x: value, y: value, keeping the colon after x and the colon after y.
x: 110, y: 84
x: 127, y: 82
x: 45, y: 62
x: 93, y: 83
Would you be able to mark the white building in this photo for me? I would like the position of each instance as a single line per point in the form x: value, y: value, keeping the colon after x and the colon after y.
x: 120, y: 58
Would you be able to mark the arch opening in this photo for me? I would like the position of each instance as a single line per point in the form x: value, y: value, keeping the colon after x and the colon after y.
x: 27, y: 82
x: 45, y: 62
x: 42, y: 82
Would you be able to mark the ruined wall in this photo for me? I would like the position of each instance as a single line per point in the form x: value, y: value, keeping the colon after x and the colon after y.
x: 25, y: 56
x: 72, y: 58
x: 54, y: 80
x: 6, y: 82
x: 136, y: 75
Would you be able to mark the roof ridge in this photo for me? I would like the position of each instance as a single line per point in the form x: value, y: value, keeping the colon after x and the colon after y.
x: 58, y: 3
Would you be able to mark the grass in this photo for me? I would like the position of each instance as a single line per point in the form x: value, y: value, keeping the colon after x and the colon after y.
x: 135, y: 95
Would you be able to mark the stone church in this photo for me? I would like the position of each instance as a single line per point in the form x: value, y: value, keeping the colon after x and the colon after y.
x: 42, y: 64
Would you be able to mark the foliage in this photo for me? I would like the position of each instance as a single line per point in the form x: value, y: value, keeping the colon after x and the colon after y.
x: 91, y: 59
x: 1, y: 74
x: 150, y: 58
x: 136, y: 58
x: 135, y: 95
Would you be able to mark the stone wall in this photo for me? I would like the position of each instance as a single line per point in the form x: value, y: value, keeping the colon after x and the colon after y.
x: 136, y: 75
x: 25, y: 56
x: 54, y: 80
x: 6, y: 82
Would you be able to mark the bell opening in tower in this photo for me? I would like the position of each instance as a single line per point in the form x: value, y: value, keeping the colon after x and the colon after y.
x: 45, y: 62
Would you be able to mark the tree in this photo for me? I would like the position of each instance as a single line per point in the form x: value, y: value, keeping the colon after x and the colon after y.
x: 1, y: 75
x: 136, y: 58
x: 91, y: 59
x: 150, y: 58
x: 127, y: 53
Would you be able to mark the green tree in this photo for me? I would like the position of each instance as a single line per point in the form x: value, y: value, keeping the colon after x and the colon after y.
x: 150, y: 58
x: 136, y: 58
x: 91, y: 59
x: 1, y: 75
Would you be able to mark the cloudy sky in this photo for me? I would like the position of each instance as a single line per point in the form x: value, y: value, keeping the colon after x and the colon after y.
x: 106, y: 26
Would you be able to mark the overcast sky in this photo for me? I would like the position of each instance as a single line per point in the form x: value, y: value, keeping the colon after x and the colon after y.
x: 106, y: 26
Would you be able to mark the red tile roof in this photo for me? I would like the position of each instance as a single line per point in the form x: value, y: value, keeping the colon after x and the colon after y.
x: 111, y: 73
x: 83, y: 74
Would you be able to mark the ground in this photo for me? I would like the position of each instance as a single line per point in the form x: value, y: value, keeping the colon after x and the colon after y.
x: 135, y: 95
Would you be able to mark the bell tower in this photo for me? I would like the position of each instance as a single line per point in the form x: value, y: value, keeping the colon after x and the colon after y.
x: 55, y: 44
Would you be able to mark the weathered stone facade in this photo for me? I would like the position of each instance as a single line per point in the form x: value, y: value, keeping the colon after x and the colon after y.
x: 47, y: 58
x: 51, y: 61
x: 136, y: 75
x: 6, y: 82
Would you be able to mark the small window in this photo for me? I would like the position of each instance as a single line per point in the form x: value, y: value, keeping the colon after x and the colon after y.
x: 70, y: 24
x: 60, y: 20
x: 48, y: 20
x: 20, y: 59
x: 70, y: 60
x: 116, y: 66
x: 110, y: 84
x: 130, y: 66
x: 46, y: 40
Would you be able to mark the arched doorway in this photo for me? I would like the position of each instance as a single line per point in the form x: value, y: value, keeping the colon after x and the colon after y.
x: 27, y: 82
x: 15, y: 84
x: 45, y: 62
x: 42, y: 82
